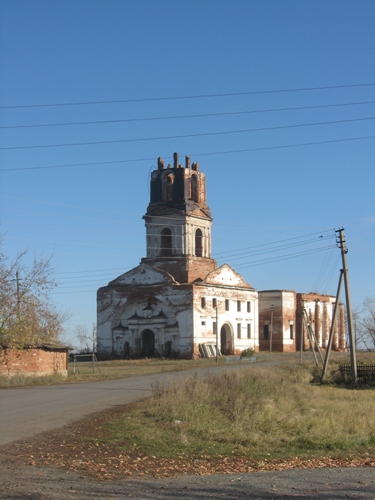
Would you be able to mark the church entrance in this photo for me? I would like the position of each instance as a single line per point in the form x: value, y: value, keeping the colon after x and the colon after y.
x: 168, y: 349
x: 226, y: 346
x: 148, y: 341
x: 126, y: 350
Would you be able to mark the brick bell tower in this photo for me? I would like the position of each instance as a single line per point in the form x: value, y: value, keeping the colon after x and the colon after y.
x: 178, y: 222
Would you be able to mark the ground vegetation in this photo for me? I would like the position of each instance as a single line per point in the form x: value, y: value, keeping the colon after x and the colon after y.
x: 251, y: 419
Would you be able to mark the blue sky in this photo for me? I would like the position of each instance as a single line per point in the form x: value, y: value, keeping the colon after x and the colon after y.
x: 286, y: 141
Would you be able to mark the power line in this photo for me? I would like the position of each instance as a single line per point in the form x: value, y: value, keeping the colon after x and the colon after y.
x: 65, y: 205
x: 198, y: 96
x: 276, y: 242
x: 205, y: 115
x: 212, y: 153
x: 93, y: 290
x: 156, y: 224
x: 256, y: 263
x: 183, y: 136
x: 272, y: 249
x: 325, y: 265
x: 266, y: 247
x: 92, y: 271
x: 270, y: 260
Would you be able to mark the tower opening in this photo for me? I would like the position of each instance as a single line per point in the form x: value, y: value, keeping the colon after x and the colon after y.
x: 198, y: 243
x: 167, y: 187
x: 194, y: 188
x: 166, y: 243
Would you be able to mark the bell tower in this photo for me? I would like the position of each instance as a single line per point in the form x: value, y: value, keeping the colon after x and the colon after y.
x: 178, y: 222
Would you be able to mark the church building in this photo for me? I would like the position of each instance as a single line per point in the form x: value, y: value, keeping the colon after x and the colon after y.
x: 173, y: 303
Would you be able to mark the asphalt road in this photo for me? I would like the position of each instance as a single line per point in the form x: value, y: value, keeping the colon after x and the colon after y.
x: 48, y: 483
x: 27, y: 411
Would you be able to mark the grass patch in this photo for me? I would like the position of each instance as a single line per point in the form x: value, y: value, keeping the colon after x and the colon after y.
x: 24, y: 380
x: 115, y: 369
x: 109, y: 370
x: 263, y: 413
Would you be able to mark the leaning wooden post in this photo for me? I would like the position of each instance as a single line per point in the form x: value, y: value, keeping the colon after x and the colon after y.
x: 271, y: 328
x: 217, y: 335
x: 344, y: 251
x: 330, y: 339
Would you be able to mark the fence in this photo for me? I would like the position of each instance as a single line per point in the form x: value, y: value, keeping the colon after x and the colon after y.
x: 365, y: 373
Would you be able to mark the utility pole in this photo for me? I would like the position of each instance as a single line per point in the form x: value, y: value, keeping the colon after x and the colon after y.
x: 344, y: 275
x: 342, y: 245
x: 302, y: 333
x: 331, y: 333
x: 217, y: 336
x: 271, y: 328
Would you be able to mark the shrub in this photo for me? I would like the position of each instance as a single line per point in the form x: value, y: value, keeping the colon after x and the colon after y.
x: 248, y: 353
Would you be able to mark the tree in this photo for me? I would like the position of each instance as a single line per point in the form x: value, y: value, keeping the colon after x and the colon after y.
x: 27, y: 316
x: 365, y: 324
x: 87, y: 340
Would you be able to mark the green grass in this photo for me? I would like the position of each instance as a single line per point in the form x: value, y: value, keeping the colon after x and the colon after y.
x: 264, y: 413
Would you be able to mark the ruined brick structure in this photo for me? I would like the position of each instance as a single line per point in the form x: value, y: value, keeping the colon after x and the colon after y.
x: 34, y: 361
x: 167, y: 305
x: 284, y: 308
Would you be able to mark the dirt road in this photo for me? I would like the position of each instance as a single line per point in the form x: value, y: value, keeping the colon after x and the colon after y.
x: 46, y: 483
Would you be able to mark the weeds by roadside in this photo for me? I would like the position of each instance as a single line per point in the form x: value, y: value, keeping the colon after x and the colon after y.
x: 269, y: 418
x: 109, y: 370
x: 274, y: 413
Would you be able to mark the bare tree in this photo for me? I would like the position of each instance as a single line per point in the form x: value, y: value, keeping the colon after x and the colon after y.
x: 365, y: 321
x: 87, y: 340
x: 27, y: 316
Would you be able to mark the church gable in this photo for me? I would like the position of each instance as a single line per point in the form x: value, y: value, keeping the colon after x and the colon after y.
x: 143, y: 275
x: 227, y: 276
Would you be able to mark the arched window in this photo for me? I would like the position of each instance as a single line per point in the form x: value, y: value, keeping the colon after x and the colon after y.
x: 167, y: 187
x: 194, y: 188
x: 198, y: 243
x: 166, y: 242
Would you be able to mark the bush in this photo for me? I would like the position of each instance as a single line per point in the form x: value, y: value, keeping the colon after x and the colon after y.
x: 247, y: 353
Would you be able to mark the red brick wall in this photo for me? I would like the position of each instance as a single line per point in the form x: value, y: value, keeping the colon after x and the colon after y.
x: 33, y: 362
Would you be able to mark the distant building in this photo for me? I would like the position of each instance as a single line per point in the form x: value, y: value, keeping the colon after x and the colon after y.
x: 168, y: 304
x: 281, y: 320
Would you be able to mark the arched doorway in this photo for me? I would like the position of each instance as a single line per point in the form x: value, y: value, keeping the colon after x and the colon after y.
x: 126, y: 350
x: 148, y: 343
x: 226, y: 344
x: 168, y: 349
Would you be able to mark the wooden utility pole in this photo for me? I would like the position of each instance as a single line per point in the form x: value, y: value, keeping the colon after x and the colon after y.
x: 331, y: 333
x: 344, y: 274
x: 271, y: 332
x: 302, y: 333
x: 342, y: 245
x: 217, y: 336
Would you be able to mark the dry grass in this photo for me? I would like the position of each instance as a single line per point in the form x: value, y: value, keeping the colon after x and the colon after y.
x: 275, y: 412
x: 109, y: 370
